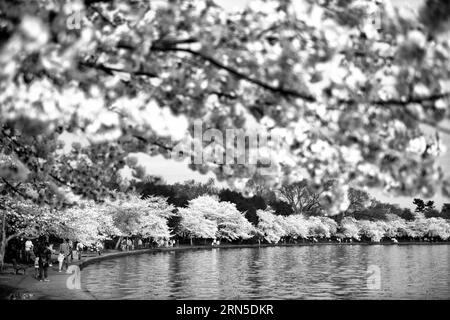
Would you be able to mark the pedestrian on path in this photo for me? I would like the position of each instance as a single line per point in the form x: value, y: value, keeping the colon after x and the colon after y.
x: 28, y: 250
x: 64, y: 250
x: 44, y: 253
x: 36, y: 266
x: 99, y: 248
x: 80, y: 248
x: 60, y: 261
x: 70, y: 243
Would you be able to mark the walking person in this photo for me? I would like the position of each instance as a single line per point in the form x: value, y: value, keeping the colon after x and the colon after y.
x: 70, y: 243
x: 44, y: 253
x: 52, y: 251
x: 99, y: 248
x: 36, y: 267
x: 28, y: 250
x: 80, y: 248
x: 64, y: 252
x: 61, y: 258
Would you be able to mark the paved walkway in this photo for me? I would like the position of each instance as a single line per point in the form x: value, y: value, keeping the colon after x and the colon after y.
x: 26, y: 287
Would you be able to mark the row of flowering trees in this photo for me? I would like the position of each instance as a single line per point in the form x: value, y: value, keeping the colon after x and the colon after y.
x: 295, y: 227
x: 205, y: 217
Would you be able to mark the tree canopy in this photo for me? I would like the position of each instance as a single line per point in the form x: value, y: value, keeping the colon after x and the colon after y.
x: 341, y: 87
x: 346, y: 95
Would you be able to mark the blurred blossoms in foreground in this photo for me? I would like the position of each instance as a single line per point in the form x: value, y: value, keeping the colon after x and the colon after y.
x: 347, y: 96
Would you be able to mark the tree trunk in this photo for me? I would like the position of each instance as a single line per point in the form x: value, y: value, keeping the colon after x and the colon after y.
x: 191, y: 242
x: 118, y: 243
x: 3, y: 241
x: 2, y: 253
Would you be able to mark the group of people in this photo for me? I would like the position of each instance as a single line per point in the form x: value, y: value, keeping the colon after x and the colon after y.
x: 128, y: 244
x: 41, y: 255
x: 40, y: 252
x: 165, y: 243
x: 66, y: 250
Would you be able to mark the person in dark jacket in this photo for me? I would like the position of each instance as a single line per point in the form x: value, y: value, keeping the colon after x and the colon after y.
x: 45, y: 254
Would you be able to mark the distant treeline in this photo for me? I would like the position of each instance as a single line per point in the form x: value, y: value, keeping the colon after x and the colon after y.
x: 297, y: 198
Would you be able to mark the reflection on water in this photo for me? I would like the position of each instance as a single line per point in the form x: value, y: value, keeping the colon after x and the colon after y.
x: 308, y: 272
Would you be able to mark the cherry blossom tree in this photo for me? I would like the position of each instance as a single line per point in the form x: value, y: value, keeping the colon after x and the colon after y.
x: 297, y: 226
x: 346, y: 96
x: 416, y: 229
x: 395, y: 227
x: 373, y: 230
x: 331, y: 225
x: 24, y: 219
x: 322, y: 227
x: 230, y: 223
x: 87, y: 222
x: 134, y: 216
x: 438, y: 228
x: 271, y: 226
x: 350, y: 228
x: 194, y: 225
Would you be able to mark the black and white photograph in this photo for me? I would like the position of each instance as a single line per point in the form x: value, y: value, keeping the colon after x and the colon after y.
x: 224, y: 150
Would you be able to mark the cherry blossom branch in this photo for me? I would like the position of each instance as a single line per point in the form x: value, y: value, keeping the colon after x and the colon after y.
x: 167, y: 45
x: 295, y: 93
x: 110, y: 70
x: 239, y: 74
x: 401, y: 102
x: 18, y: 146
x: 156, y: 143
x: 13, y: 188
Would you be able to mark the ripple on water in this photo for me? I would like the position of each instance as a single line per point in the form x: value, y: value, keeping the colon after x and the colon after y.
x: 308, y: 272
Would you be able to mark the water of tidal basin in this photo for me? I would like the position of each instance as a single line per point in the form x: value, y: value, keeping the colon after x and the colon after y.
x: 304, y: 272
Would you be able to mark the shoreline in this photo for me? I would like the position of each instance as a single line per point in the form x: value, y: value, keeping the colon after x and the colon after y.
x: 26, y: 287
x: 84, y: 263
